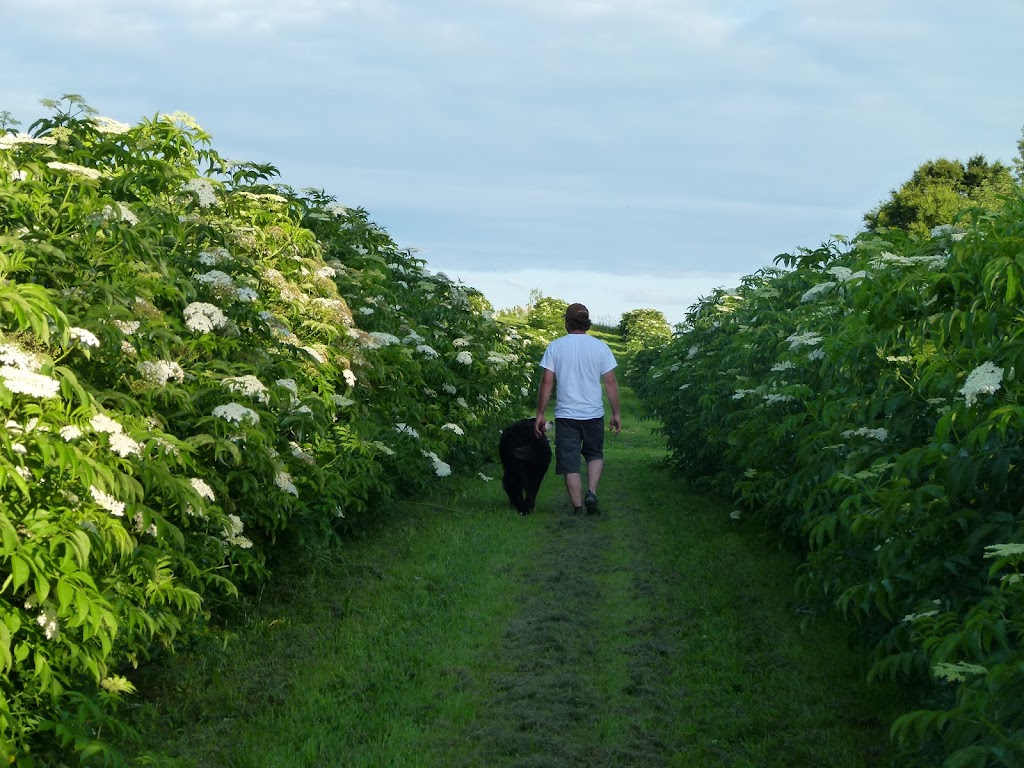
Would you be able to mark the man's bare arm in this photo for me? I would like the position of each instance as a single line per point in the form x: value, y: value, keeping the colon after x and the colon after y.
x: 611, y: 388
x: 547, y: 386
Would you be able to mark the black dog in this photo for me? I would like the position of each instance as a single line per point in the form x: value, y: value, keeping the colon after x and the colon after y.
x: 525, y: 458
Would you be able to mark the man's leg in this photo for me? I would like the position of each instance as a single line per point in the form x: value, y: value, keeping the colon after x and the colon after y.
x: 574, y: 485
x: 594, y: 474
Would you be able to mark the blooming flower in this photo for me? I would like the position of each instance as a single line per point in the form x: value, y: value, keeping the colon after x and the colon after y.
x: 454, y: 428
x: 214, y: 257
x: 109, y: 125
x: 48, y: 621
x: 785, y: 365
x: 82, y: 336
x: 219, y: 281
x: 301, y: 455
x: 202, y: 488
x: 460, y: 342
x: 14, y: 356
x: 288, y: 384
x: 405, y: 429
x: 233, y: 533
x: 107, y: 502
x: 203, y: 189
x: 985, y: 379
x: 159, y: 372
x: 70, y: 432
x: 464, y: 357
x: 248, y: 385
x: 124, y: 213
x: 427, y: 350
x: 12, y: 139
x: 816, y: 291
x: 103, y: 423
x: 314, y: 354
x: 1004, y: 550
x: 798, y: 340
x: 124, y: 446
x: 283, y: 480
x: 450, y: 389
x: 381, y: 339
x: 930, y: 261
x: 24, y: 382
x: 127, y: 327
x: 89, y: 173
x: 201, y: 317
x: 386, y: 450
x: 236, y: 414
x: 440, y: 468
x: 845, y: 274
x: 350, y: 378
x: 875, y: 434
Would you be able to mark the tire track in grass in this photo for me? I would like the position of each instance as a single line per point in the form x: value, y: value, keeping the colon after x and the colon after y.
x: 548, y: 690
x: 581, y: 658
x: 664, y: 635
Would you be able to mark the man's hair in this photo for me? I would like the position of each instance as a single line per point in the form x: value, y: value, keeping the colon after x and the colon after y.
x: 577, y: 318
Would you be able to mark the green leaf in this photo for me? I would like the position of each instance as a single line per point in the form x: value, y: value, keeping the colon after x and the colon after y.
x: 65, y: 593
x: 5, y: 648
x: 19, y: 570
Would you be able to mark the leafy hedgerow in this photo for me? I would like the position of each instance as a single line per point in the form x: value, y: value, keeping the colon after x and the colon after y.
x: 193, y: 359
x: 865, y: 397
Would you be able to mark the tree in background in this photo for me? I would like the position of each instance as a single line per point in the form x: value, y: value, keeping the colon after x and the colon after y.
x: 1018, y: 161
x: 938, y: 191
x: 644, y: 328
x: 546, y: 314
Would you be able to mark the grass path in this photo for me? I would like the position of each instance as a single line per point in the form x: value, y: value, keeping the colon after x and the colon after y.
x: 661, y: 633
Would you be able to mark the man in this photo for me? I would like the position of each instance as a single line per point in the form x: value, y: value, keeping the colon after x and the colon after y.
x: 580, y: 364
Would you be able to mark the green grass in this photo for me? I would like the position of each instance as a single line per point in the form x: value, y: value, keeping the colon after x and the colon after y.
x: 661, y: 633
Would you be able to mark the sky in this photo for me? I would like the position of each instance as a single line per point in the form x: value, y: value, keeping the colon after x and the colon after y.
x: 622, y: 153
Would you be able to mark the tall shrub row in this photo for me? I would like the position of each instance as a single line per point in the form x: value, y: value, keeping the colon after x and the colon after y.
x: 192, y: 359
x: 866, y: 399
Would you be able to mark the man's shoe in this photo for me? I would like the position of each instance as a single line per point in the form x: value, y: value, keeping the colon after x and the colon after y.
x: 591, y: 503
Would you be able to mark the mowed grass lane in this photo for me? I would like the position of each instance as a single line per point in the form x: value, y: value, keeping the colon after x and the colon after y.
x: 661, y: 633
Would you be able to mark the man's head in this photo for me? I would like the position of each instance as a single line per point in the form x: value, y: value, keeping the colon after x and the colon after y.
x: 577, y: 318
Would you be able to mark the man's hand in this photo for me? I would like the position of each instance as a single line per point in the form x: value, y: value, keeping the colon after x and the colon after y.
x: 615, y: 424
x: 540, y: 426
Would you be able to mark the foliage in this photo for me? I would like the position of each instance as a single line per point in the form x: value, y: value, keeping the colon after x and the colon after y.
x: 192, y: 360
x: 865, y: 398
x: 546, y: 315
x: 644, y: 328
x: 939, y: 191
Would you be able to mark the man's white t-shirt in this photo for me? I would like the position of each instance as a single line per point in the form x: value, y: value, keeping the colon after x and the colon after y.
x: 578, y: 362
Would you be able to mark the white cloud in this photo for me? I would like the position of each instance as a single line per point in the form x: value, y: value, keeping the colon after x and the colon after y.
x: 668, y: 135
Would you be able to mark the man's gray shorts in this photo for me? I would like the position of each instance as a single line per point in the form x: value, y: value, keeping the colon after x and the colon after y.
x: 574, y: 437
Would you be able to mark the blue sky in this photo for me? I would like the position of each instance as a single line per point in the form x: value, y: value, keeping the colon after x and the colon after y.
x: 622, y: 153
